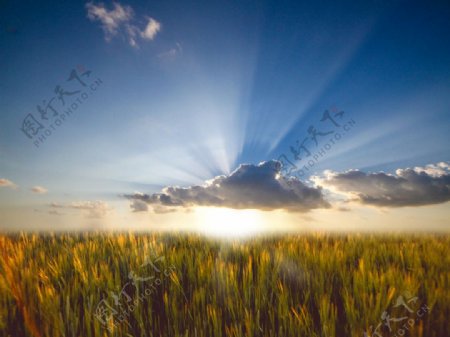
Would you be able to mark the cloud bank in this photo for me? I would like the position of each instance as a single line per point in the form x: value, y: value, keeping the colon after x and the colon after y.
x: 248, y: 187
x: 408, y: 187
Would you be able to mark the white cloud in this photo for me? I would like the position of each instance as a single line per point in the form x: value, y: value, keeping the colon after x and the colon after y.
x: 121, y: 21
x: 7, y: 183
x: 39, y: 189
x: 434, y: 170
x: 110, y: 20
x: 152, y: 28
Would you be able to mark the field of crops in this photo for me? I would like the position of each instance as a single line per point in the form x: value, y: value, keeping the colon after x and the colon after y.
x: 187, y: 285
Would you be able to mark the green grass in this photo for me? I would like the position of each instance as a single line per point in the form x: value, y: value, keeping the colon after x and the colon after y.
x: 293, y: 285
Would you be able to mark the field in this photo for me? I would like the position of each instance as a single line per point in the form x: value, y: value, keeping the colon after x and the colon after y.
x: 187, y: 285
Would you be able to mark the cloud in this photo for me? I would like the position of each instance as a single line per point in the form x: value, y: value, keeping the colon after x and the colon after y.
x: 110, y: 20
x: 172, y: 53
x: 139, y: 206
x: 248, y: 187
x: 39, y: 189
x: 121, y: 20
x: 7, y: 183
x: 408, y: 187
x: 96, y: 209
x: 152, y: 28
x: 434, y: 170
x: 93, y: 209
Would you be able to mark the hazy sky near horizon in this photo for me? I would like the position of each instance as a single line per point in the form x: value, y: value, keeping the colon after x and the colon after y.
x: 169, y: 114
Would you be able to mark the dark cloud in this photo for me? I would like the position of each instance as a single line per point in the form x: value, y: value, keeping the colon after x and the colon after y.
x: 248, y: 187
x: 408, y: 187
x: 139, y: 206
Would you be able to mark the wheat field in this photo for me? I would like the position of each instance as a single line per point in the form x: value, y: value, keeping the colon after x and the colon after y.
x: 125, y: 284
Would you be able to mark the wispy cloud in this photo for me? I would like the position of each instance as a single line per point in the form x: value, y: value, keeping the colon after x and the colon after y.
x: 248, y: 187
x: 39, y: 190
x: 121, y: 21
x: 110, y: 20
x: 93, y: 209
x: 172, y: 53
x: 7, y: 183
x: 408, y: 187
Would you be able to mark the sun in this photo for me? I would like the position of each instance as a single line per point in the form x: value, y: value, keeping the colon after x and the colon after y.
x: 220, y: 221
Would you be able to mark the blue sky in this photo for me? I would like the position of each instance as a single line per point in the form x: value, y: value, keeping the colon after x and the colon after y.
x: 191, y: 90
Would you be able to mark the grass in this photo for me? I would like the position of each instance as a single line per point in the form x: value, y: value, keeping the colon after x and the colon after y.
x: 294, y: 285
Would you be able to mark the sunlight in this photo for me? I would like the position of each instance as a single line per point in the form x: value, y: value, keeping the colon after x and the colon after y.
x: 219, y: 221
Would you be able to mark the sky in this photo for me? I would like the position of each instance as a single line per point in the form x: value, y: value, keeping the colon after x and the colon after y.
x: 225, y: 117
